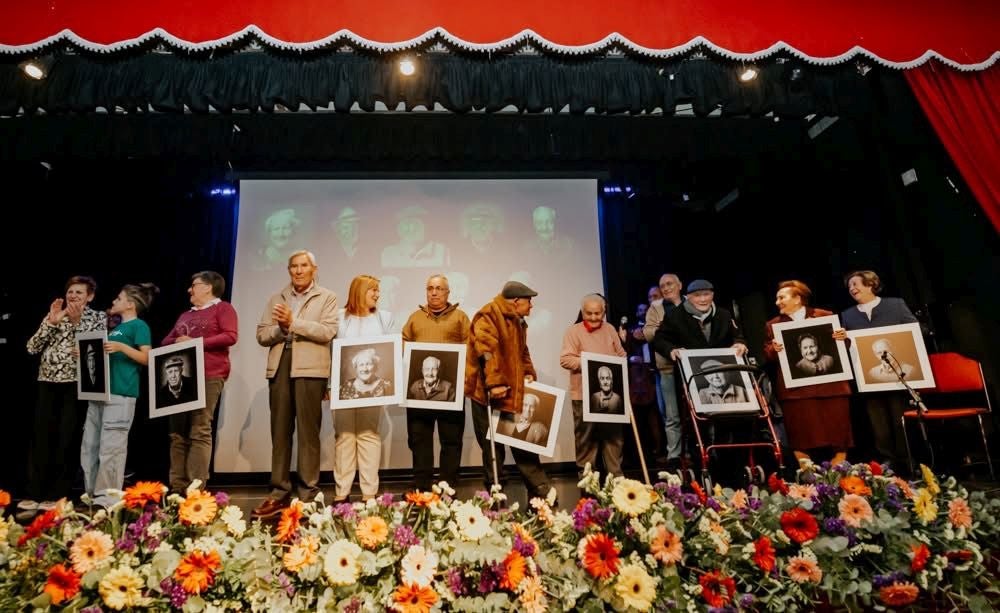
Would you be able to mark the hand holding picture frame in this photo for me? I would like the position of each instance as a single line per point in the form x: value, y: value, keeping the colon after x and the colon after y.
x: 719, y: 392
x: 536, y: 427
x: 177, y: 378
x: 93, y: 367
x: 811, y: 355
x: 367, y: 372
x: 878, y: 354
x: 605, y: 388
x: 435, y: 376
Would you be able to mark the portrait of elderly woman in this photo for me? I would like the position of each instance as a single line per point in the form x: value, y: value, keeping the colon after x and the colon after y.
x: 366, y: 381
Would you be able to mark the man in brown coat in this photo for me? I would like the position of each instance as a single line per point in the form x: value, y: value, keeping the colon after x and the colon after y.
x: 497, y: 367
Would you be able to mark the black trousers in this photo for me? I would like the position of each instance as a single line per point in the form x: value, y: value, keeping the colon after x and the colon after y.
x: 55, y: 447
x: 528, y: 463
x: 885, y: 410
x: 420, y: 437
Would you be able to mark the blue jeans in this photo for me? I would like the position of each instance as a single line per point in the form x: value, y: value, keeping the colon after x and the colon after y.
x: 105, y: 446
x: 671, y: 414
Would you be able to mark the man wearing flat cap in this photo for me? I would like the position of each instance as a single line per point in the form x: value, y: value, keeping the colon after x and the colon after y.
x: 498, y: 365
x: 413, y: 250
x: 176, y: 388
x: 347, y: 228
x: 697, y: 323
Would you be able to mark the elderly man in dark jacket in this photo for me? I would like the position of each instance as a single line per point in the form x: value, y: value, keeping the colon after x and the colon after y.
x: 497, y: 367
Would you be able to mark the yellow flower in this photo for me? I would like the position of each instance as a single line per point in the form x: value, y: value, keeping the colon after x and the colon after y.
x: 90, y: 550
x: 198, y: 509
x: 930, y: 480
x: 631, y: 497
x: 924, y: 506
x: 120, y: 588
x: 371, y: 532
x: 301, y: 554
x: 636, y: 587
x: 341, y: 563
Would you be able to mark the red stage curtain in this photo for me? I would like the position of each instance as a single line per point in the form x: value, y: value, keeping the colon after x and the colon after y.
x: 964, y: 108
x: 901, y: 34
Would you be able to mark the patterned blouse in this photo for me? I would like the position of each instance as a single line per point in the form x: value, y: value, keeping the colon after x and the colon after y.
x: 349, y: 392
x: 56, y: 343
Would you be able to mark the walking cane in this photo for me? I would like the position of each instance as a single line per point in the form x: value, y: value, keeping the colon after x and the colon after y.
x: 638, y: 443
x: 493, y: 444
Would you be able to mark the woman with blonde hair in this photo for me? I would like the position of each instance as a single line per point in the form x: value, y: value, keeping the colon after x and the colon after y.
x: 357, y: 444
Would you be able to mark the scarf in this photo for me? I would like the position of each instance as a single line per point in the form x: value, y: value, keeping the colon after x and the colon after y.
x: 704, y: 319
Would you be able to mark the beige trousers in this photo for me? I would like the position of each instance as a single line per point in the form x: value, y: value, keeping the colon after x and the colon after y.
x: 357, y: 448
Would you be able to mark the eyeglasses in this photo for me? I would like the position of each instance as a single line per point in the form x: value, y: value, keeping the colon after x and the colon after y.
x: 198, y: 283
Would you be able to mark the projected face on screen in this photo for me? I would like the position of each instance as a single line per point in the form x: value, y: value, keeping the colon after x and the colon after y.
x: 547, y: 244
x: 347, y: 229
x: 480, y: 224
x: 279, y: 231
x: 544, y: 219
x: 413, y: 250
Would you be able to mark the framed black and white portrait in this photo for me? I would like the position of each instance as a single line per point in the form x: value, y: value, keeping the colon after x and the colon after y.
x: 435, y: 376
x: 719, y: 391
x: 93, y: 369
x: 605, y: 388
x: 177, y: 378
x: 882, y: 355
x: 367, y: 372
x: 810, y: 355
x: 536, y: 427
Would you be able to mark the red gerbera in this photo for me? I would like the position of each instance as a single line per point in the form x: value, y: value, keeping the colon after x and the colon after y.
x: 876, y: 468
x: 763, y: 554
x: 717, y: 589
x: 799, y: 525
x: 920, y: 556
x: 42, y: 523
x: 777, y: 484
x: 600, y: 556
x: 62, y: 584
x: 701, y: 493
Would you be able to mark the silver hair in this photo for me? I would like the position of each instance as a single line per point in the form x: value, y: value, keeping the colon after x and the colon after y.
x: 610, y: 372
x: 594, y: 298
x: 440, y: 276
x: 305, y: 252
x: 366, y: 352
x: 437, y: 362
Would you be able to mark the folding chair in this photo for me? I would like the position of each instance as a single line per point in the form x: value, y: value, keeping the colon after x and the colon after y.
x: 954, y: 374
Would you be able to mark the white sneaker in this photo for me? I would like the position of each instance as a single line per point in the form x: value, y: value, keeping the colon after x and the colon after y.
x: 27, y: 505
x: 46, y: 505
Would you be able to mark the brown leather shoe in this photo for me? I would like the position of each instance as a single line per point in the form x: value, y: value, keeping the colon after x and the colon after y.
x: 270, y: 507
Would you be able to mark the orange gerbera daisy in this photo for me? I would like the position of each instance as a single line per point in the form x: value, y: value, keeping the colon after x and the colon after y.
x: 414, y: 599
x: 802, y: 570
x: 854, y: 509
x: 196, y: 571
x: 4, y: 498
x: 904, y: 486
x: 288, y: 525
x: 899, y: 594
x: 372, y: 532
x: 62, y: 584
x: 513, y: 571
x: 198, y: 508
x: 855, y: 485
x: 666, y: 546
x: 600, y: 556
x: 959, y: 513
x: 41, y: 523
x: 422, y: 499
x: 142, y: 493
x: 763, y: 554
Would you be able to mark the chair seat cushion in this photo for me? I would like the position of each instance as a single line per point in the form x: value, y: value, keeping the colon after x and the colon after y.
x: 945, y: 413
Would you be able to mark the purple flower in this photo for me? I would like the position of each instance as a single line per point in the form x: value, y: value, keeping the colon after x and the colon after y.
x: 456, y: 583
x: 386, y: 499
x: 661, y: 486
x: 174, y: 592
x: 345, y: 510
x: 713, y: 504
x: 525, y: 549
x: 484, y: 496
x: 403, y: 537
x: 286, y: 584
x: 825, y: 490
x: 879, y: 581
x: 354, y: 606
x: 93, y: 609
x: 754, y: 503
x: 489, y: 578
x: 126, y: 543
x: 40, y: 549
x: 221, y: 498
x: 835, y: 526
x: 808, y: 477
x: 746, y: 601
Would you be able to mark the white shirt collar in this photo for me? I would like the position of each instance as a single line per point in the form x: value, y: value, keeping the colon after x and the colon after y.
x: 799, y: 315
x: 869, y: 306
x: 210, y: 303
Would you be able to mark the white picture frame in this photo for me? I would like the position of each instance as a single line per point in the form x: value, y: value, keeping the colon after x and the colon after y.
x: 811, y: 355
x: 906, y: 351
x: 738, y: 384
x: 93, y: 367
x: 450, y: 383
x: 167, y: 395
x: 618, y: 406
x: 386, y: 352
x: 548, y: 413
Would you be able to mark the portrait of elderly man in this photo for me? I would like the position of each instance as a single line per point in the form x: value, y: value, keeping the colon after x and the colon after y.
x: 525, y: 426
x: 885, y: 370
x: 366, y: 383
x: 606, y: 400
x: 481, y: 223
x: 547, y: 243
x: 175, y: 388
x: 432, y: 387
x: 719, y: 389
x: 413, y: 249
x: 93, y: 375
x: 347, y: 229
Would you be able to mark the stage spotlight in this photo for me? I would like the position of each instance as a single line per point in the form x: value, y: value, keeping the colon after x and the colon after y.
x: 37, y: 68
x: 407, y: 67
x: 748, y: 74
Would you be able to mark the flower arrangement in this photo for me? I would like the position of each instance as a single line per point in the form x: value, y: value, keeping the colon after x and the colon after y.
x: 850, y: 536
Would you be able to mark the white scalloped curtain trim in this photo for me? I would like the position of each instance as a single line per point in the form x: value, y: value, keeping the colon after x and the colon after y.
x: 525, y: 36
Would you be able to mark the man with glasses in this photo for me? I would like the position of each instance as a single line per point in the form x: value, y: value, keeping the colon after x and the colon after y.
x: 215, y: 322
x: 438, y: 321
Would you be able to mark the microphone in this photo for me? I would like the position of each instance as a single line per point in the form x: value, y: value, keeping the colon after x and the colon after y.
x: 885, y: 357
x: 624, y: 320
